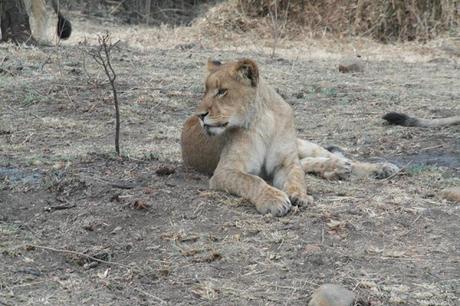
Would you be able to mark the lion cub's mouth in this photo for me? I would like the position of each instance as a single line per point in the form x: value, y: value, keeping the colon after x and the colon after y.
x: 216, y: 125
x: 217, y: 129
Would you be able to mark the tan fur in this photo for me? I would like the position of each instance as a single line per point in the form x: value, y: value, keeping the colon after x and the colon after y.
x: 438, y: 122
x: 315, y: 159
x: 38, y: 18
x: 201, y: 152
x: 451, y: 194
x: 255, y: 127
x: 243, y: 132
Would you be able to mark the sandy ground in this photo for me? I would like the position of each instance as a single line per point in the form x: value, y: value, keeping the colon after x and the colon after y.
x: 80, y: 226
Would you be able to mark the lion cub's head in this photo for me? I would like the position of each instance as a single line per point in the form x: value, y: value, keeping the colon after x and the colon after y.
x: 231, y: 89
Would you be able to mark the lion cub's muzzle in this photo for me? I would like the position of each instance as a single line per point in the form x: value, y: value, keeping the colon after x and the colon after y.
x: 211, y: 128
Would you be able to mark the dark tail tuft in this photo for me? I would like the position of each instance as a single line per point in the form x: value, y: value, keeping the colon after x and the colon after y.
x: 336, y: 150
x: 400, y: 119
x: 64, y: 27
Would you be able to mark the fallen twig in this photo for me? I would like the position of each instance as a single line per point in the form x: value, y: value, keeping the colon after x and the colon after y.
x: 398, y: 172
x: 122, y: 186
x: 76, y: 253
x: 150, y: 295
x: 60, y: 207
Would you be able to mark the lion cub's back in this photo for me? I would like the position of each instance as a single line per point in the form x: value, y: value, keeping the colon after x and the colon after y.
x: 199, y: 151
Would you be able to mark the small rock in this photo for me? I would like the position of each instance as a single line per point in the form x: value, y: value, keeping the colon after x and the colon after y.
x: 36, y: 162
x: 332, y: 295
x: 165, y: 170
x: 451, y: 194
x: 116, y: 229
x: 351, y: 65
x: 355, y: 67
x: 90, y: 265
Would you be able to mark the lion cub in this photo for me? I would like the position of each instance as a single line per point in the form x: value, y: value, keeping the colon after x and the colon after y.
x: 243, y: 132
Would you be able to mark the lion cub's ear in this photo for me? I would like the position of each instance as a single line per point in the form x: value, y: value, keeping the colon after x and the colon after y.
x: 213, y: 65
x: 246, y: 70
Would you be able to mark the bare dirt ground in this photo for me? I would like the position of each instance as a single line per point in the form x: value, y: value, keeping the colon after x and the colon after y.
x: 79, y: 226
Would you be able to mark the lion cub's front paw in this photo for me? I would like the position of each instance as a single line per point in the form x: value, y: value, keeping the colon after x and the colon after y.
x: 273, y: 201
x: 300, y: 199
x: 385, y: 170
x: 340, y: 170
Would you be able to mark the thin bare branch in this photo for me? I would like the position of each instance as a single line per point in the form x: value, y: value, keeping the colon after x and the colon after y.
x: 76, y: 253
x: 102, y: 56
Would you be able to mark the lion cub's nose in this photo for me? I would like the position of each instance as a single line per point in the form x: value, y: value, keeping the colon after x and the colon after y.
x: 202, y: 115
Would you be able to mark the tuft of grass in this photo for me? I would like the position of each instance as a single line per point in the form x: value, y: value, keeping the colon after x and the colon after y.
x: 32, y: 97
x: 153, y: 156
x: 9, y: 229
x: 418, y: 169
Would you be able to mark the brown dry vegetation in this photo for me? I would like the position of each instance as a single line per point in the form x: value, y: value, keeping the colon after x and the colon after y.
x: 79, y: 226
x: 383, y: 20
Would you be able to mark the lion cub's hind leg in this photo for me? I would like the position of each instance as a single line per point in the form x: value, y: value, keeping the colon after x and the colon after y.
x: 376, y: 170
x: 379, y: 170
x: 330, y: 168
x: 317, y: 160
x: 328, y: 165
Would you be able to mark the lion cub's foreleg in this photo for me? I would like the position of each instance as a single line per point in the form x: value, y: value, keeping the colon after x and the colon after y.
x: 291, y: 179
x: 266, y: 198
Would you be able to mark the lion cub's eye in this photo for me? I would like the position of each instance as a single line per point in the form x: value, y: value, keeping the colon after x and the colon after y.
x: 221, y: 92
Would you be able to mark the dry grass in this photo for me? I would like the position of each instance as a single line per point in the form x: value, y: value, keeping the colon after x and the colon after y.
x: 225, y: 26
x: 382, y: 20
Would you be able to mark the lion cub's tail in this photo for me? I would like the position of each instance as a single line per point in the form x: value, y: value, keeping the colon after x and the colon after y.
x: 405, y: 120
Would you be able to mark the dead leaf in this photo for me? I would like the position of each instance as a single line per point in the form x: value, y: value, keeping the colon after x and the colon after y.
x: 394, y: 253
x: 335, y: 224
x: 103, y: 275
x: 311, y: 249
x: 139, y: 204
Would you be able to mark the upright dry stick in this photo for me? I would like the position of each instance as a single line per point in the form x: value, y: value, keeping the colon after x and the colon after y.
x: 275, y: 28
x: 148, y: 4
x: 101, y: 55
